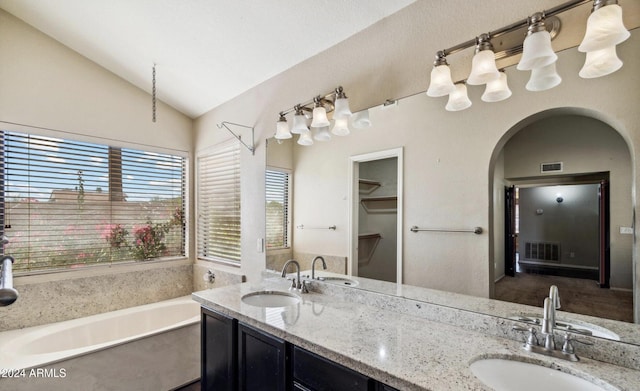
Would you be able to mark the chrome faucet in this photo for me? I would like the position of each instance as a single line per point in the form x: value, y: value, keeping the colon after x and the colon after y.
x: 299, y: 285
x: 313, y: 266
x: 7, y: 293
x: 554, y: 298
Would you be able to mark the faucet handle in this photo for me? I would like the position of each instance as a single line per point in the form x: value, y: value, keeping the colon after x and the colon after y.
x: 293, y: 284
x: 569, y: 338
x: 304, y: 287
x: 531, y: 339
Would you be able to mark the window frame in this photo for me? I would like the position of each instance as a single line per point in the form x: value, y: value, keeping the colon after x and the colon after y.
x: 289, y: 208
x: 73, y: 137
x: 230, y: 146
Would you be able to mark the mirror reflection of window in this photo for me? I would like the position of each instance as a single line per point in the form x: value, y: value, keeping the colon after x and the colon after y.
x: 278, y: 230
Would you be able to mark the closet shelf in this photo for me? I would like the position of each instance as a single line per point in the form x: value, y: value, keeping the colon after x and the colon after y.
x: 386, y: 204
x: 368, y: 186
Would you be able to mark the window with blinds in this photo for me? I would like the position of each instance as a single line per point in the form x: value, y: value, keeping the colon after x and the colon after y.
x: 218, y: 204
x: 69, y: 204
x: 277, y: 208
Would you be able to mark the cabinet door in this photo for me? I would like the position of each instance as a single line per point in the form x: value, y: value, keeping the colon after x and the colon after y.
x: 219, y: 353
x: 319, y: 374
x: 384, y: 387
x: 262, y: 360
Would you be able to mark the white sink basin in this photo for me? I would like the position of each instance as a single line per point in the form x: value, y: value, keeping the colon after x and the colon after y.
x: 270, y: 299
x: 340, y: 281
x: 507, y: 375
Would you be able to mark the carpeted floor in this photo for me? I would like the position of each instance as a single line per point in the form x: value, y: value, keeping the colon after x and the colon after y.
x: 576, y: 295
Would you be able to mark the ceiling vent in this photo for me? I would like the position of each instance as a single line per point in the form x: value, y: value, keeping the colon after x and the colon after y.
x: 551, y: 167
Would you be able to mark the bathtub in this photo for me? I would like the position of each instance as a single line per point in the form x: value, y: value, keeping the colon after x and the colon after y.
x: 153, y: 346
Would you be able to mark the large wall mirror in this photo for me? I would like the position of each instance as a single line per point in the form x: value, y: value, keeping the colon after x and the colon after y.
x: 573, y: 143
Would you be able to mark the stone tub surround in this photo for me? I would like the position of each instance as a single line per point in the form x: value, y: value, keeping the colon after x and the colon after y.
x: 55, y: 297
x: 396, y: 347
x: 225, y: 275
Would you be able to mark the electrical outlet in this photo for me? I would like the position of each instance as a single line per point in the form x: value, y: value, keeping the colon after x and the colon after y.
x: 260, y: 245
x: 626, y: 230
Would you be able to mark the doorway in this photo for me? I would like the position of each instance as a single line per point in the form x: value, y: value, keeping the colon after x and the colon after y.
x: 375, y: 194
x: 561, y: 148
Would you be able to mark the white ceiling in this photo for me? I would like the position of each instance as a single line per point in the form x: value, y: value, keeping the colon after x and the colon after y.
x: 206, y: 51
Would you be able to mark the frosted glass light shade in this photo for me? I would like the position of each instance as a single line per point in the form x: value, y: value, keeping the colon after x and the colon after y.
x: 537, y: 51
x: 319, y: 118
x: 341, y: 108
x: 282, y: 129
x: 483, y: 68
x: 341, y: 127
x: 458, y: 99
x: 600, y: 63
x: 543, y: 78
x: 305, y: 138
x: 299, y: 124
x: 604, y: 29
x: 322, y: 133
x: 497, y: 90
x: 360, y: 120
x: 441, y: 83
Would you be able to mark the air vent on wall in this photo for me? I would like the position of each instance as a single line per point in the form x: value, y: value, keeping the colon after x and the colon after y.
x: 551, y: 167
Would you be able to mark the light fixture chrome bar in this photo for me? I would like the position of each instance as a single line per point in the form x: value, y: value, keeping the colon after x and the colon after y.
x: 475, y: 230
x: 324, y: 98
x: 514, y: 26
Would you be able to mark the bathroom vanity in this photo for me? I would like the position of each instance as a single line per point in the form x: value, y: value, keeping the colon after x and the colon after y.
x: 349, y: 339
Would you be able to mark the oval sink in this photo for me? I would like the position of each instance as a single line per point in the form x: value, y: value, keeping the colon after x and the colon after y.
x: 506, y: 375
x: 270, y: 299
x: 340, y: 280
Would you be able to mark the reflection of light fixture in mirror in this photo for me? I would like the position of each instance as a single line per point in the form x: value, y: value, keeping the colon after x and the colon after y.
x: 441, y: 83
x: 600, y: 63
x: 458, y: 99
x: 536, y: 48
x: 282, y: 128
x: 341, y: 105
x: 320, y: 119
x: 360, y: 120
x: 299, y: 121
x: 543, y: 78
x: 321, y: 133
x: 497, y: 90
x: 604, y: 26
x: 341, y: 126
x: 305, y: 138
x: 483, y: 64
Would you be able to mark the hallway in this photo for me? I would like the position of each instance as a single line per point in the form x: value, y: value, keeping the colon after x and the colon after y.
x: 576, y: 295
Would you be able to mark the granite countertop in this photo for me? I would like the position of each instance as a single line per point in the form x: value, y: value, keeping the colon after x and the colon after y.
x: 404, y: 351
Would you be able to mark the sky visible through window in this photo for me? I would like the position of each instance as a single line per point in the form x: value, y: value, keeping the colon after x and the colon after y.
x: 37, y: 165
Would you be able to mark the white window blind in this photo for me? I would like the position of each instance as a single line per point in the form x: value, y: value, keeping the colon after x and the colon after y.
x: 69, y: 204
x: 277, y: 208
x: 219, y: 204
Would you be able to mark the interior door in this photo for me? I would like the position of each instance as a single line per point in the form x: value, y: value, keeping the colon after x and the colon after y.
x: 603, y: 233
x: 510, y: 231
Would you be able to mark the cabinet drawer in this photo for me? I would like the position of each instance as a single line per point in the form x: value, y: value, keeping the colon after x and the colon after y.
x: 319, y: 374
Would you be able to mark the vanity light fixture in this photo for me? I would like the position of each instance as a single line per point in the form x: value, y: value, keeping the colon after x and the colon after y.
x: 322, y: 126
x: 282, y: 128
x: 604, y: 31
x: 536, y: 48
x: 458, y: 99
x: 441, y: 83
x: 483, y: 64
x: 497, y: 90
x: 319, y: 115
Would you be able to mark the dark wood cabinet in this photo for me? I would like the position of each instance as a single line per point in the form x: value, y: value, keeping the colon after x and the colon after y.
x: 262, y: 364
x: 316, y: 373
x: 218, y: 352
x: 236, y: 356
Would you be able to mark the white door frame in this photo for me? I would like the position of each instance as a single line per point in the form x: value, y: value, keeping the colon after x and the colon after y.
x: 354, y: 204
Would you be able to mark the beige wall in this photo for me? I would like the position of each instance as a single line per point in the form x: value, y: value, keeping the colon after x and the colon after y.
x: 45, y: 84
x: 449, y: 157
